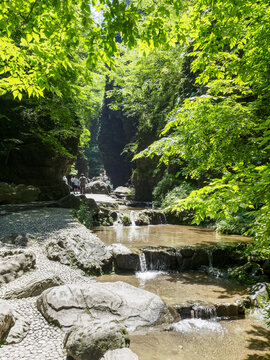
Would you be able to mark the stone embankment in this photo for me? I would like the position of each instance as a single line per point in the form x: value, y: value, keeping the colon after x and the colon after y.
x: 38, y: 293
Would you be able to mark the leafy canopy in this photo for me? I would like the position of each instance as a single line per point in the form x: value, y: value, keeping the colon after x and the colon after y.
x: 226, y: 131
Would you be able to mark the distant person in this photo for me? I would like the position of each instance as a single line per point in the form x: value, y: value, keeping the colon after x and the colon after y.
x: 72, y: 183
x: 65, y: 179
x: 76, y: 184
x: 82, y: 183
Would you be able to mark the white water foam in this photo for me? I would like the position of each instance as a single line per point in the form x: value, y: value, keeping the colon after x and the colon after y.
x: 197, y: 325
x: 148, y: 275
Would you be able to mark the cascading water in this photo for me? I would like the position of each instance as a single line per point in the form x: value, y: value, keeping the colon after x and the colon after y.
x: 204, y: 312
x: 118, y: 221
x: 143, y: 266
x: 132, y: 216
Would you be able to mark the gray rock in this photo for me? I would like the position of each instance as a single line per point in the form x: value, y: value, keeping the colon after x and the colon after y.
x: 93, y: 340
x: 14, y: 263
x: 125, y: 259
x: 91, y: 205
x: 85, y: 251
x: 98, y: 187
x: 260, y: 293
x: 123, y: 190
x: 13, y: 327
x: 70, y: 305
x: 34, y: 287
x: 120, y: 354
x: 18, y: 240
x: 69, y: 201
x: 6, y: 320
x: 160, y: 258
x: 16, y: 194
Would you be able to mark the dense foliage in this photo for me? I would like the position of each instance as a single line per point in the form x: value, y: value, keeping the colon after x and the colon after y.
x: 225, y: 132
x: 204, y: 87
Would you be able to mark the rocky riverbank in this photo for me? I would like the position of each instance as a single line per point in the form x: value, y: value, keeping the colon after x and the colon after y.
x: 43, y: 233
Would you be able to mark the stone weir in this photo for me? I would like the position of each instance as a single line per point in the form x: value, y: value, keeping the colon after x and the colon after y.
x: 163, y: 258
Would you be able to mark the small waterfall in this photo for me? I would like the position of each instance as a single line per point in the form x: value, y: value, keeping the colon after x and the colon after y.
x: 204, y: 312
x: 118, y: 221
x: 210, y: 258
x: 143, y: 266
x: 132, y: 216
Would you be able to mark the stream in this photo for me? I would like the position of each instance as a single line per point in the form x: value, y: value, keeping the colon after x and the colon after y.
x: 204, y: 335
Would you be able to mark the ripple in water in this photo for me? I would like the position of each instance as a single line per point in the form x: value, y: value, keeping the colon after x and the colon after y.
x: 197, y: 325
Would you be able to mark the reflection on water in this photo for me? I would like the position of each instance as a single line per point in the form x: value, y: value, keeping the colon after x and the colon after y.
x: 162, y: 235
x: 228, y: 340
x: 176, y: 288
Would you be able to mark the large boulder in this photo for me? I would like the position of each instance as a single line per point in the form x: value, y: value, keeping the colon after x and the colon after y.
x: 13, y: 327
x: 98, y: 187
x: 120, y: 354
x: 14, y: 263
x: 82, y: 249
x: 70, y: 305
x: 69, y: 201
x: 17, y: 194
x: 92, y: 340
x: 33, y: 287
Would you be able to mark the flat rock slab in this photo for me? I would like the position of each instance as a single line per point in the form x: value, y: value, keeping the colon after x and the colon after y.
x: 70, y: 305
x: 84, y: 250
x: 14, y: 263
x: 13, y: 327
x: 120, y: 354
x: 33, y: 287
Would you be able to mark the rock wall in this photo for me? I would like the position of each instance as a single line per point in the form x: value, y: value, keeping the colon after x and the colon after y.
x: 26, y: 157
x: 114, y: 135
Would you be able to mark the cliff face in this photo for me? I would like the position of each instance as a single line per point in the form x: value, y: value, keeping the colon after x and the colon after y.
x: 27, y: 158
x: 114, y: 135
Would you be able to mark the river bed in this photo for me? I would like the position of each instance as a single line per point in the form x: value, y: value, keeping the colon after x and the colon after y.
x: 188, y: 339
x: 162, y: 235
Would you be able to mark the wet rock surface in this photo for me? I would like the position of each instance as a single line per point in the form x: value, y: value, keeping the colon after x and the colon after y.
x: 201, y: 310
x: 93, y: 340
x: 124, y: 258
x: 150, y: 217
x: 175, y: 259
x: 70, y: 305
x: 86, y: 252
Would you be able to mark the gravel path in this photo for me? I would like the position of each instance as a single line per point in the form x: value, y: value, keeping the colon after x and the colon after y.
x: 43, y: 341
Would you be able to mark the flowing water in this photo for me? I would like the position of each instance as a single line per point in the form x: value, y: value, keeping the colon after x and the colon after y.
x: 195, y: 338
x: 162, y: 235
x: 176, y: 288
